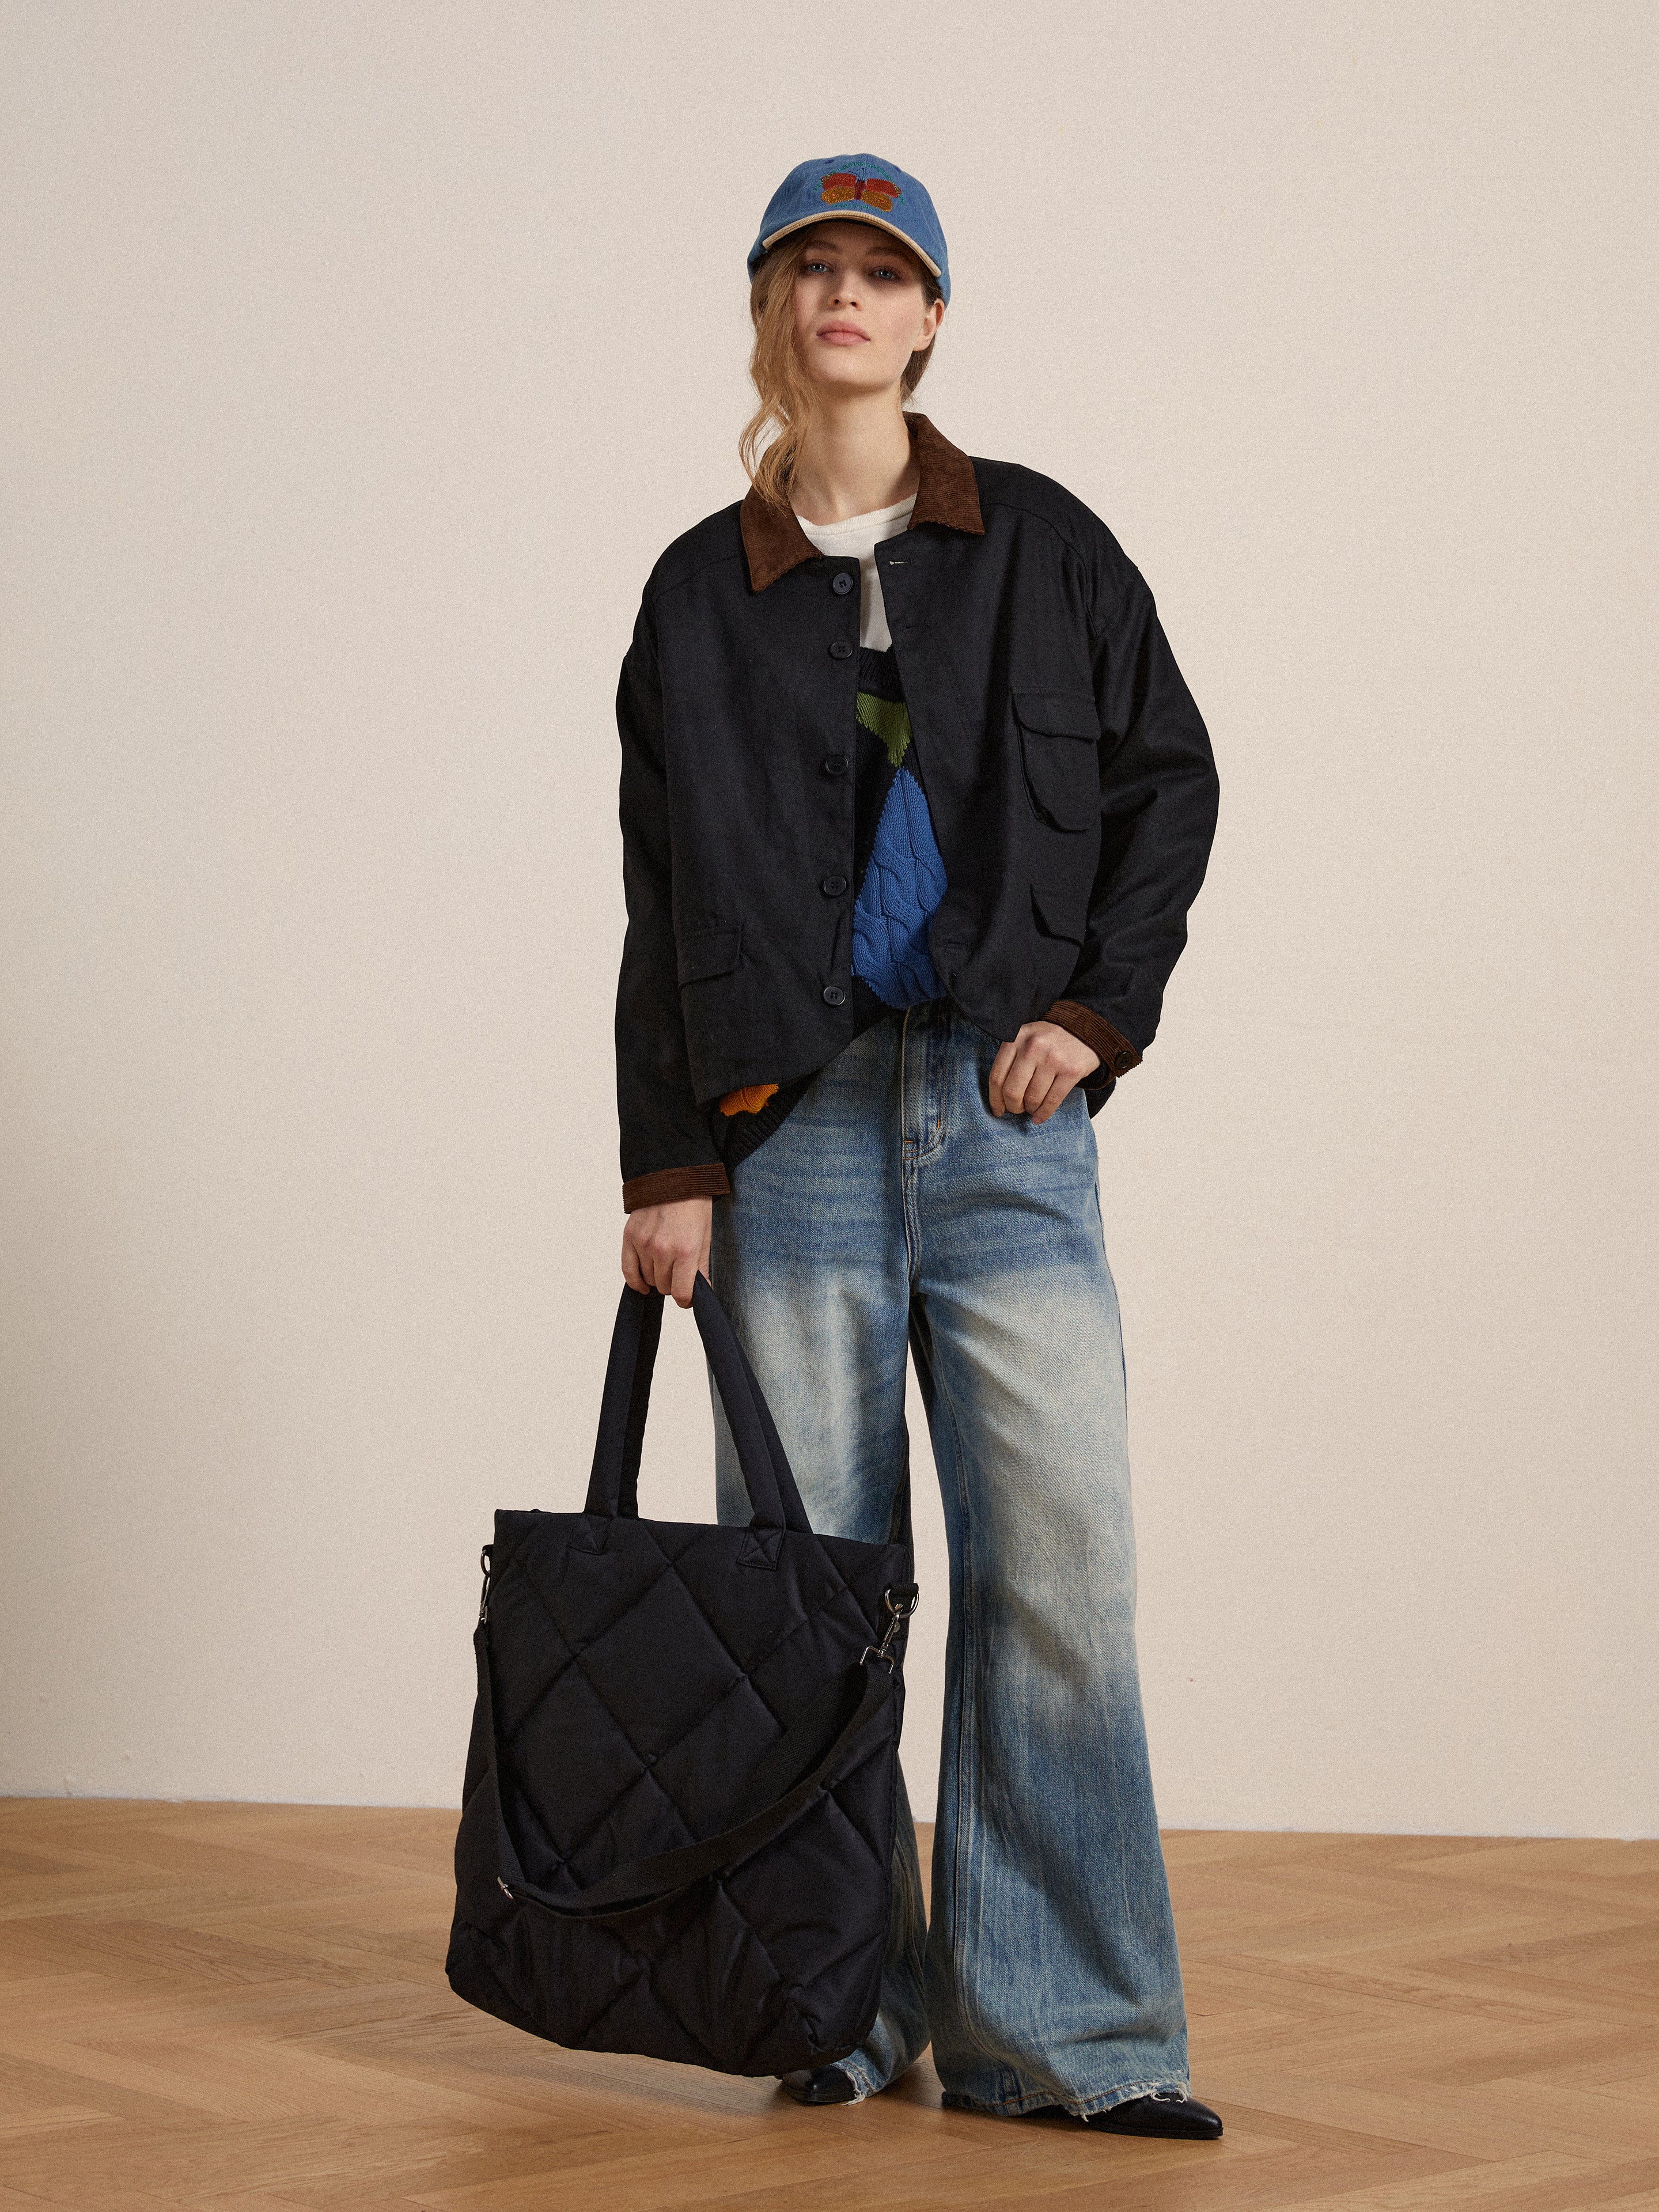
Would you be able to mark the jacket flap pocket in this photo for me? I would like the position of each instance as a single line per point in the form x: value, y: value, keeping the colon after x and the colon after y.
x: 1059, y: 713
x: 704, y: 952
x: 1058, y: 914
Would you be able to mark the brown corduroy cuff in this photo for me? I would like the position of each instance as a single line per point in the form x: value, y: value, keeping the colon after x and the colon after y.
x: 664, y: 1186
x: 1117, y: 1055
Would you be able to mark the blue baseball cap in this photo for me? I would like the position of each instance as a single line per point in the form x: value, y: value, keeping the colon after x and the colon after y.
x: 855, y: 188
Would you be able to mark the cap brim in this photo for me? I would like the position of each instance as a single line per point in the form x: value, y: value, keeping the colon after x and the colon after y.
x: 851, y: 214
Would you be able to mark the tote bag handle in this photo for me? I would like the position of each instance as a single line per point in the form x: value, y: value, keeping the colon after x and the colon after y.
x: 613, y: 1484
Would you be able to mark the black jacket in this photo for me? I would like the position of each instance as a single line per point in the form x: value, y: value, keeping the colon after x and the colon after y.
x: 1068, y: 774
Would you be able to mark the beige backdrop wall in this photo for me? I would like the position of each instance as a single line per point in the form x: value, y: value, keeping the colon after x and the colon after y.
x: 358, y: 360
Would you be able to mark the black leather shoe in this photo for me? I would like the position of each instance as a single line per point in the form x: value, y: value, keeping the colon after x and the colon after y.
x: 828, y: 2085
x: 1166, y: 2112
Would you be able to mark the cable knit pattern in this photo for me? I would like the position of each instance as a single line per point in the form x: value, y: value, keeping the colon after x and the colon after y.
x: 899, y: 896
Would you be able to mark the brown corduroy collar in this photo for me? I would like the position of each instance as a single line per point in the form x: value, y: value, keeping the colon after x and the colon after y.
x: 947, y: 493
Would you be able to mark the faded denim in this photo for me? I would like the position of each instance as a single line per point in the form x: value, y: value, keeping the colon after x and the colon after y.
x: 893, y: 1207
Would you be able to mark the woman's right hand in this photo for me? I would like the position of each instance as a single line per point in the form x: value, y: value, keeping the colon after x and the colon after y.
x: 666, y: 1247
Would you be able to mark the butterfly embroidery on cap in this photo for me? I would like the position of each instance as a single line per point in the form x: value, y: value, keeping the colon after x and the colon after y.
x: 842, y: 185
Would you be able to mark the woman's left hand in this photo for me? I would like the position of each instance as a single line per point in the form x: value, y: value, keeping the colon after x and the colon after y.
x: 1036, y: 1073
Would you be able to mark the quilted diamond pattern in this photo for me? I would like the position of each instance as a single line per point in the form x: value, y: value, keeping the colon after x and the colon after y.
x: 569, y: 1711
x: 639, y: 1674
x: 654, y: 1704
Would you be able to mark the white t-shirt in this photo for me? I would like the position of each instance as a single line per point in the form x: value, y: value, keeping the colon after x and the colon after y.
x: 860, y: 535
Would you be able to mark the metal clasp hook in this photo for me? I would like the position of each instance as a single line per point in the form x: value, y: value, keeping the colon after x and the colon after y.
x: 483, y: 1595
x: 901, y: 1602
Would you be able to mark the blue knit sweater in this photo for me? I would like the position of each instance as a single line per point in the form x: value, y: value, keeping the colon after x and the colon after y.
x: 900, y: 879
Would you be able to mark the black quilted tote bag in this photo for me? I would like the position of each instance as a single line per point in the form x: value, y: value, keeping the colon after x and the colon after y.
x: 676, y: 1833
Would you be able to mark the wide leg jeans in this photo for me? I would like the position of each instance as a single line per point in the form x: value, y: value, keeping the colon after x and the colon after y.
x: 891, y: 1210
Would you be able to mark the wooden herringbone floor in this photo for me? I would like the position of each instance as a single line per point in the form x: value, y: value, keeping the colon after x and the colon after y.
x: 241, y: 2009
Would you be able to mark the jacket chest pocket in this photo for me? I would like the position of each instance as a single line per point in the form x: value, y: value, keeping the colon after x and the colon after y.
x: 1060, y: 748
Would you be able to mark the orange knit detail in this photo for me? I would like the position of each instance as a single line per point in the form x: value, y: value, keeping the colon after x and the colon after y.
x: 748, y: 1100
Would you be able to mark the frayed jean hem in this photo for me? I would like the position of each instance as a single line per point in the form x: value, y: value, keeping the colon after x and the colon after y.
x: 861, y: 2080
x: 1019, y: 2102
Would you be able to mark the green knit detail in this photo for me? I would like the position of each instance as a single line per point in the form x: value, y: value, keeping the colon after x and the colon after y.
x: 888, y: 720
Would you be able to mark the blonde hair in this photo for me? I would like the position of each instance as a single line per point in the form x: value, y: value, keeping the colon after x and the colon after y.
x: 774, y: 367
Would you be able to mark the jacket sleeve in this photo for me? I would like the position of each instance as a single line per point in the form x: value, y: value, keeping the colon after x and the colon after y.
x: 1158, y: 795
x: 667, y: 1151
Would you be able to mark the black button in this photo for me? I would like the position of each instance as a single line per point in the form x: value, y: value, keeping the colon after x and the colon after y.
x: 834, y: 996
x: 835, y: 764
x: 841, y: 650
x: 841, y: 583
x: 833, y: 886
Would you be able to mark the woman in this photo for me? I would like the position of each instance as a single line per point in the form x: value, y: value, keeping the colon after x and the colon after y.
x: 913, y: 802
